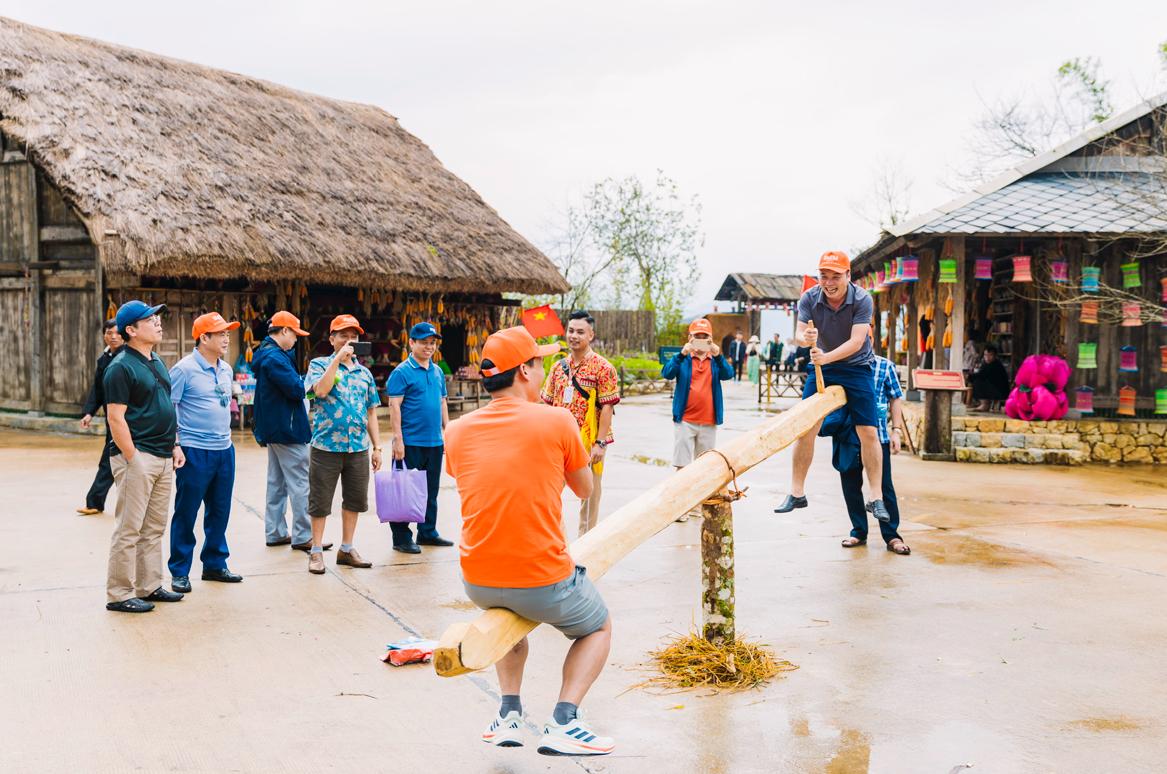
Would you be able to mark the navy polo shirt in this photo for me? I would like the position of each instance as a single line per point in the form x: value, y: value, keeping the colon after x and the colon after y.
x: 834, y: 325
x: 421, y: 391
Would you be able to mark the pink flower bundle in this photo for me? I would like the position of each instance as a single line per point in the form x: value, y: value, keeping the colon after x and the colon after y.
x: 1040, y: 392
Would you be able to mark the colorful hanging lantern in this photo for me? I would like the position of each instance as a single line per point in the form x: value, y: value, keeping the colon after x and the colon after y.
x: 1163, y: 282
x: 1163, y: 358
x: 897, y: 266
x: 1021, y: 268
x: 1089, y: 314
x: 1126, y: 401
x: 1091, y: 275
x: 948, y: 270
x: 1130, y: 275
x: 880, y: 279
x: 984, y: 269
x: 1087, y: 355
x: 1059, y: 272
x: 910, y: 269
x: 1132, y: 315
x: 1161, y: 401
x: 1128, y: 360
x: 1084, y: 400
x: 889, y: 272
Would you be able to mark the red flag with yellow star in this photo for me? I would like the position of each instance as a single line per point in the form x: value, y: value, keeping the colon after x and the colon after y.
x: 542, y: 321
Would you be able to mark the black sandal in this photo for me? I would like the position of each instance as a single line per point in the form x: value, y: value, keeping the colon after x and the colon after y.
x: 891, y: 547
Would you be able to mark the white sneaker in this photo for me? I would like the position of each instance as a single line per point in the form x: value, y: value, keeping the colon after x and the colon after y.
x: 574, y: 737
x: 504, y: 732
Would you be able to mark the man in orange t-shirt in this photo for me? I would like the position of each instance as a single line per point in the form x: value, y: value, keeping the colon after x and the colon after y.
x: 699, y: 369
x: 510, y: 460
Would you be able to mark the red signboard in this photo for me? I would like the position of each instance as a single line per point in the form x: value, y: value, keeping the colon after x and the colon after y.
x: 927, y: 379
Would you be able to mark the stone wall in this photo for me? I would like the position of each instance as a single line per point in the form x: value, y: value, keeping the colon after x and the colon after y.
x: 1060, y: 442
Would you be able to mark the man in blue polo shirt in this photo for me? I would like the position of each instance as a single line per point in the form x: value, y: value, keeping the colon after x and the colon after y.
x: 201, y: 391
x: 834, y: 319
x: 418, y: 412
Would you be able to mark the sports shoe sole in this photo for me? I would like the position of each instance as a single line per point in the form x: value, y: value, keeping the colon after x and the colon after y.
x: 559, y: 746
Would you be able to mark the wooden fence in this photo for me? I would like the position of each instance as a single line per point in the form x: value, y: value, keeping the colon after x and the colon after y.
x: 621, y: 330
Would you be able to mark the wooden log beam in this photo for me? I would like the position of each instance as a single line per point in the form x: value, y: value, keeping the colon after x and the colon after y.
x: 718, y: 604
x: 469, y: 647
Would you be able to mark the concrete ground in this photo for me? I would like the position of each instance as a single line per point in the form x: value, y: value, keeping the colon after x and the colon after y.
x: 1023, y: 634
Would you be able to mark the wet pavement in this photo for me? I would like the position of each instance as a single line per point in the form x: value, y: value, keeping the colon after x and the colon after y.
x: 1022, y: 635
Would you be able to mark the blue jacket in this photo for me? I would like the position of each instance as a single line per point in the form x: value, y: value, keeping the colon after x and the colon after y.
x: 680, y: 368
x: 280, y: 416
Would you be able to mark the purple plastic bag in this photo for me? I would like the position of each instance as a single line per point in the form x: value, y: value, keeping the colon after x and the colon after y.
x: 401, y: 493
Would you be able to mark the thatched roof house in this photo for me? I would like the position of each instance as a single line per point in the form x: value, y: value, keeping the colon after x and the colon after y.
x: 126, y: 174
x: 182, y: 170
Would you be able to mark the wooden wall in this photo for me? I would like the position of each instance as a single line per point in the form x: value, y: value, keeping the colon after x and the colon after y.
x: 49, y: 297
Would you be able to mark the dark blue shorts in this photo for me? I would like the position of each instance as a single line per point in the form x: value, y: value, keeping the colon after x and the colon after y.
x: 859, y: 383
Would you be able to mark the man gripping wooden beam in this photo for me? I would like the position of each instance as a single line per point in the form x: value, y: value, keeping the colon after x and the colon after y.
x: 834, y: 318
x: 510, y: 460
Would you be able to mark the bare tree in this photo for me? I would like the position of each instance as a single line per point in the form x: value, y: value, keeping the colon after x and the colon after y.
x: 889, y: 199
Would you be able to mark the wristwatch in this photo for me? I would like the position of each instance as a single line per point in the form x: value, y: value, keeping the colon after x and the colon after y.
x: 378, y: 448
x: 602, y: 444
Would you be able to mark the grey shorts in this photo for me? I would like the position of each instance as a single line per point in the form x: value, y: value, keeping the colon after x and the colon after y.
x: 573, y: 606
x: 690, y: 441
x: 324, y: 468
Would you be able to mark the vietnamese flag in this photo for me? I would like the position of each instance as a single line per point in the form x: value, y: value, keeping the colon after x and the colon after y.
x: 808, y: 282
x: 542, y: 321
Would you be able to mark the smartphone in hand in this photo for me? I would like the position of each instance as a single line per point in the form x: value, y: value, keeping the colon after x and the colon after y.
x: 361, y: 348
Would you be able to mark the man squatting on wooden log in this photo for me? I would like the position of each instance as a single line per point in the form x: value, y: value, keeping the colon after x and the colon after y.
x: 510, y: 460
x: 837, y: 314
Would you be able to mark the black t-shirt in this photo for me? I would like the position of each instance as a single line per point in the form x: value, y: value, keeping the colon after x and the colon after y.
x: 144, y: 387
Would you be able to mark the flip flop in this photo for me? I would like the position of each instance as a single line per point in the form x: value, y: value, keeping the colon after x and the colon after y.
x: 898, y: 546
x: 852, y: 542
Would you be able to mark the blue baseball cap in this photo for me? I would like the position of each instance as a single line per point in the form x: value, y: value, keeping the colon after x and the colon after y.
x: 135, y: 311
x: 424, y: 330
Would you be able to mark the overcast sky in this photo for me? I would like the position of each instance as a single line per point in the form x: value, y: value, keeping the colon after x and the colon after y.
x: 775, y: 117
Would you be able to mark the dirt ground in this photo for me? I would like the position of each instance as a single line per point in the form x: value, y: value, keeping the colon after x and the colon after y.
x: 1022, y: 635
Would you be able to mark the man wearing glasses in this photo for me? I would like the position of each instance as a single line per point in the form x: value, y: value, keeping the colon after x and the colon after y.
x: 201, y: 391
x: 144, y: 457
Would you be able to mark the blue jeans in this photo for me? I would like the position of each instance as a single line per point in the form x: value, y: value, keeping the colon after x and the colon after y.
x: 852, y: 481
x: 429, y: 459
x: 207, y: 479
x: 287, y: 481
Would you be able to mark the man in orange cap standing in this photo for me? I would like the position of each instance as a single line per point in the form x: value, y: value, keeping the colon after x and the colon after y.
x: 834, y: 319
x: 345, y: 439
x: 510, y: 460
x: 201, y: 391
x: 698, y: 408
x: 281, y: 425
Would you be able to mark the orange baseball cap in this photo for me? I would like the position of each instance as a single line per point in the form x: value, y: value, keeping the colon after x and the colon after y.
x: 342, y: 321
x: 212, y: 322
x: 835, y: 261
x: 287, y: 320
x: 511, y: 347
x: 701, y: 326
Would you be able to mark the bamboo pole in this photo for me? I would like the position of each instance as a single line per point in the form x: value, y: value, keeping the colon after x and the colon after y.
x: 470, y: 646
x: 818, y: 369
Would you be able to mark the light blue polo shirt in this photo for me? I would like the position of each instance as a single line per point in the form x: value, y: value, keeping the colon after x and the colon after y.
x: 201, y: 393
x: 421, y: 390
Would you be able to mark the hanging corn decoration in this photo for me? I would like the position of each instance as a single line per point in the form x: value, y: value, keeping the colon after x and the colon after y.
x: 111, y: 311
x: 947, y: 342
x: 948, y: 303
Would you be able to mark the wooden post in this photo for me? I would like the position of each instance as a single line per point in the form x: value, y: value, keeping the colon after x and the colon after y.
x: 937, y: 425
x: 955, y: 248
x: 717, y: 581
x: 472, y: 645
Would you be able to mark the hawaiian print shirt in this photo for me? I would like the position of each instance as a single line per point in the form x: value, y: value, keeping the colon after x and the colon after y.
x: 595, y: 374
x: 340, y: 418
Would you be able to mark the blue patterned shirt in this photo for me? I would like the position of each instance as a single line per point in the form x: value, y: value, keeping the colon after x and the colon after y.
x: 887, y: 389
x: 340, y: 418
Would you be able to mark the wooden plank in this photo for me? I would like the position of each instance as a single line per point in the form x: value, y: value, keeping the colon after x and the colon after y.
x: 64, y: 234
x: 68, y: 281
x: 67, y: 344
x: 14, y: 346
x: 469, y: 647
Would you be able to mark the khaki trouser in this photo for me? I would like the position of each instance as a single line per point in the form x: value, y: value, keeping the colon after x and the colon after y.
x: 589, y: 509
x: 135, y: 551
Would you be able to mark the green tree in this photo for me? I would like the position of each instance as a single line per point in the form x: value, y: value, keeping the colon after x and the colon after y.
x: 648, y: 236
